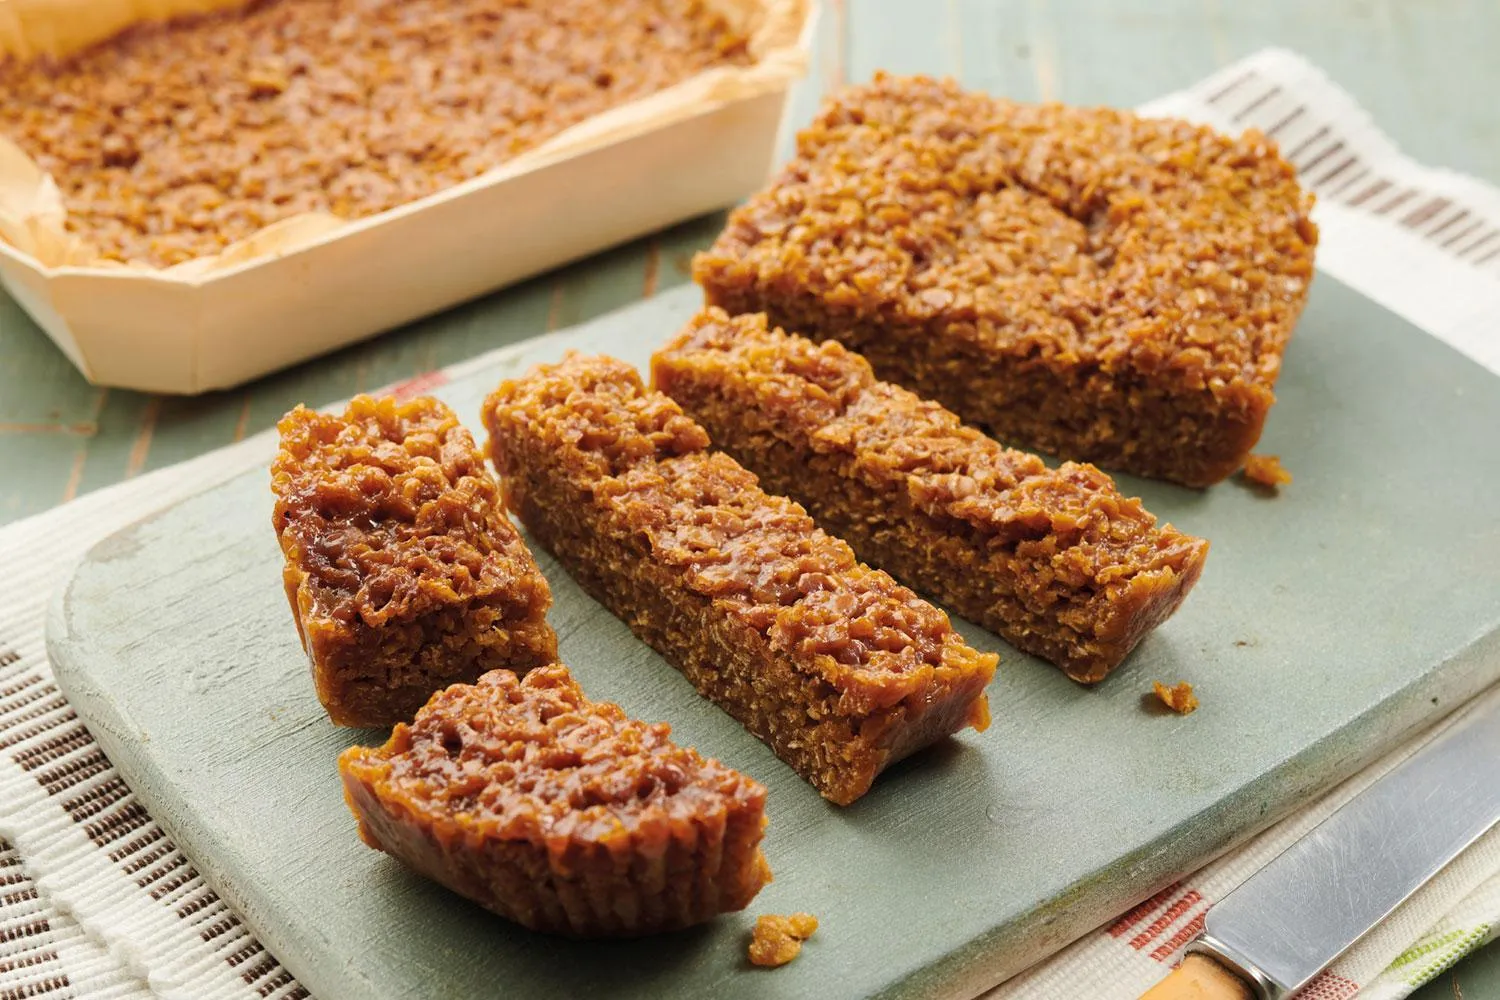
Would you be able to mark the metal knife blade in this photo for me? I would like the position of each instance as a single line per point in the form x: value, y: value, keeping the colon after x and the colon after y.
x: 1296, y: 915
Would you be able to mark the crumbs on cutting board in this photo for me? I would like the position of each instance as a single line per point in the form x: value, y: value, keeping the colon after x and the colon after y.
x: 1179, y: 698
x: 777, y: 940
x: 1267, y: 471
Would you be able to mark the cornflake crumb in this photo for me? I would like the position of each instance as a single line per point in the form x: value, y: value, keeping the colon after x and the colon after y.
x: 1266, y: 470
x: 1179, y: 699
x: 777, y: 939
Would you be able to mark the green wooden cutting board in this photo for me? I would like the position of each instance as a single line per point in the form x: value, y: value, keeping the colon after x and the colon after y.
x: 1332, y: 619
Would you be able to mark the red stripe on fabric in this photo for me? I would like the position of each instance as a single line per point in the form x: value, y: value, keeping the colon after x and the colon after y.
x: 1188, y: 931
x: 1122, y: 926
x: 1328, y: 986
x: 1166, y: 920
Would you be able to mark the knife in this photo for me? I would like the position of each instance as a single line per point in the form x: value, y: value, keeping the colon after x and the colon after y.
x: 1287, y: 922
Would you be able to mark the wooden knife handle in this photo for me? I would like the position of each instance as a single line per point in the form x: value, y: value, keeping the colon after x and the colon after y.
x: 1200, y: 978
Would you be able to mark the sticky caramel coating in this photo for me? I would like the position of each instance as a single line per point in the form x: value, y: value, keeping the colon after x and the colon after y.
x: 558, y: 812
x: 402, y: 570
x: 835, y: 666
x: 777, y: 940
x: 1081, y: 281
x: 172, y: 141
x: 1055, y: 561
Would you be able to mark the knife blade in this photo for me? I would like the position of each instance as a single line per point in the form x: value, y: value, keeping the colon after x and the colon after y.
x: 1295, y: 916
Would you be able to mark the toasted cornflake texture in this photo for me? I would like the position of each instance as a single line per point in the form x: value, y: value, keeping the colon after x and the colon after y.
x: 835, y: 666
x: 1083, y: 281
x: 172, y: 141
x: 1055, y: 561
x: 1178, y: 697
x: 558, y: 812
x: 777, y: 940
x: 402, y: 570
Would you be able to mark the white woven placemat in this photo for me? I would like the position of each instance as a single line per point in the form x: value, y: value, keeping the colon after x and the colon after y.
x: 95, y: 900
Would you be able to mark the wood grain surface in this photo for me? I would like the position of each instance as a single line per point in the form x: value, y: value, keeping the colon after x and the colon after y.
x: 1421, y: 67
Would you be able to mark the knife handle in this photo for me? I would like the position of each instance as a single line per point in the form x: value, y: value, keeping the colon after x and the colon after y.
x: 1200, y: 978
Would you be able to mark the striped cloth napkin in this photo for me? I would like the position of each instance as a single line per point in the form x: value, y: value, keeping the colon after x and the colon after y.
x: 96, y: 901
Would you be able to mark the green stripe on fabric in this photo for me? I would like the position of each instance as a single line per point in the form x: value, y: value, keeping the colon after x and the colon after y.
x: 1438, y: 953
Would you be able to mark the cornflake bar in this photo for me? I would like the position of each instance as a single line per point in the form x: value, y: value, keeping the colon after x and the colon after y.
x: 1055, y: 561
x: 558, y: 812
x: 174, y: 139
x: 835, y: 666
x: 1085, y: 282
x: 402, y: 570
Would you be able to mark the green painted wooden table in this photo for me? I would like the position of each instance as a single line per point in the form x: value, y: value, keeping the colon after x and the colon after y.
x: 1417, y: 65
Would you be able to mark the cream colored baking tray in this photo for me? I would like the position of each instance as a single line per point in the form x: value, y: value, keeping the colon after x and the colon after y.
x: 312, y: 283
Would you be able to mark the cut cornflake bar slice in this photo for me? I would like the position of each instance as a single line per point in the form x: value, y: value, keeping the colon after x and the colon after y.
x: 402, y: 570
x: 1082, y: 281
x: 835, y: 666
x: 558, y: 812
x: 1055, y: 561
